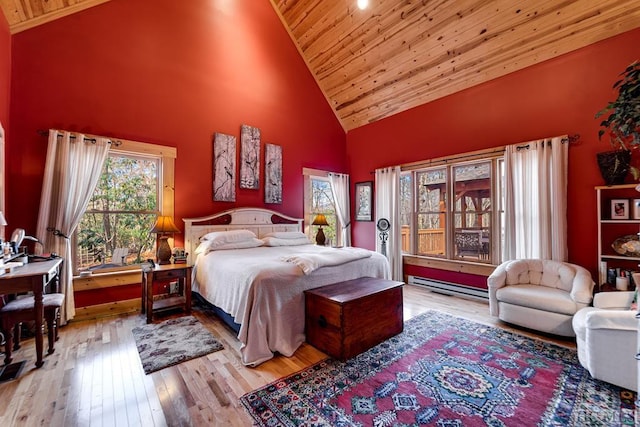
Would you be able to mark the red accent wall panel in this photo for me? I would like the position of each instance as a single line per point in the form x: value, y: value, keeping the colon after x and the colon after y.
x: 106, y: 295
x: 171, y: 73
x: 5, y: 71
x: 552, y: 98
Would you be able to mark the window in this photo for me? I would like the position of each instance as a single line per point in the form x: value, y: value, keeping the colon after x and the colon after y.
x: 114, y: 230
x: 448, y: 211
x: 319, y: 200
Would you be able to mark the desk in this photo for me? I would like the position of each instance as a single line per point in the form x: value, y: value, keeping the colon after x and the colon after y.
x: 34, y: 276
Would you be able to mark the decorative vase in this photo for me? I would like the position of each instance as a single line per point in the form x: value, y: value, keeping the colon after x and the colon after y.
x: 614, y: 166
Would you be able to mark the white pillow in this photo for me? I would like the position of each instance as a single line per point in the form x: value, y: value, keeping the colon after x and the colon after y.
x: 274, y: 241
x: 245, y: 244
x: 286, y: 234
x: 203, y: 247
x: 229, y: 236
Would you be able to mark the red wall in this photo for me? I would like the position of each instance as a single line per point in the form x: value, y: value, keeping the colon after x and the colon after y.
x: 172, y: 73
x: 560, y: 96
x: 5, y: 71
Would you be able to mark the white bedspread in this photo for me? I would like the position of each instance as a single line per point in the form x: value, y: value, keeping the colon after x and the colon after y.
x: 265, y: 294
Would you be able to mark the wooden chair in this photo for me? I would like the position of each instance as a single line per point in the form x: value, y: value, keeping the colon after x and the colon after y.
x: 22, y: 310
x: 468, y: 243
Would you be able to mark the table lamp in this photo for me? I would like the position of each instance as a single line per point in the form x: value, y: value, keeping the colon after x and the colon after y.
x: 164, y: 225
x: 320, y: 220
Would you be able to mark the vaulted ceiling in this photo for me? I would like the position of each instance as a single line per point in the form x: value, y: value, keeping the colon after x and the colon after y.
x: 395, y: 55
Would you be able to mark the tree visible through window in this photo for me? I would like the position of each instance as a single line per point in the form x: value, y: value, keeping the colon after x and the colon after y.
x: 322, y: 203
x: 114, y: 230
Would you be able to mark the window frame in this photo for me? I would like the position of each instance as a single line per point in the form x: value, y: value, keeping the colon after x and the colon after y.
x: 495, y: 157
x: 308, y: 175
x: 166, y: 183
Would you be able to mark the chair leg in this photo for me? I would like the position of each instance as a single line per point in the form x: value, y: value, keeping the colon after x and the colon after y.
x: 8, y: 344
x: 17, y: 336
x: 57, y: 323
x: 50, y: 318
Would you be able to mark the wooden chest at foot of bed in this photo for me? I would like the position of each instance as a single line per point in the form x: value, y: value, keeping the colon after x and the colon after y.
x: 347, y: 318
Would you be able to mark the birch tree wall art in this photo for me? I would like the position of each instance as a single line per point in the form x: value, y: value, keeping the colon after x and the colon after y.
x: 224, y: 168
x: 249, y: 157
x: 273, y: 173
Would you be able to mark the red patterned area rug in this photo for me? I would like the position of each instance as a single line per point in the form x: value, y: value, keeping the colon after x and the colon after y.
x: 445, y: 371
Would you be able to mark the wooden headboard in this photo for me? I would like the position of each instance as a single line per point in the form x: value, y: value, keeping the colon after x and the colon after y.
x: 260, y: 221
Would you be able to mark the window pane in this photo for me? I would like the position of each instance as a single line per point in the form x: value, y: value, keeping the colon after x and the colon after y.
x: 114, y: 231
x: 432, y: 192
x: 406, y: 210
x: 322, y: 203
x: 127, y: 184
x: 432, y: 207
x: 431, y: 234
x: 99, y: 235
x: 472, y: 211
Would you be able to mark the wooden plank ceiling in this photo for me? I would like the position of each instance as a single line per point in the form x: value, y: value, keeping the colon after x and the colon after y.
x: 396, y: 55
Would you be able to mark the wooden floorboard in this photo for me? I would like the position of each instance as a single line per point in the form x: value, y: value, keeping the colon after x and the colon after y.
x: 95, y: 377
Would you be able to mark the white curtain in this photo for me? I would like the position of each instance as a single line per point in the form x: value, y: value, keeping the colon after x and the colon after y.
x: 72, y: 169
x: 387, y: 188
x: 536, y: 200
x: 340, y: 188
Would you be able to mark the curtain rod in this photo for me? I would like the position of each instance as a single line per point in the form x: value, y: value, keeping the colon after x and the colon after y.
x: 470, y: 156
x: 72, y: 136
x: 479, y: 154
x: 567, y: 139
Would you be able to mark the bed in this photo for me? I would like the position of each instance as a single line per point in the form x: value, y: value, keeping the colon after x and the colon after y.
x: 259, y: 291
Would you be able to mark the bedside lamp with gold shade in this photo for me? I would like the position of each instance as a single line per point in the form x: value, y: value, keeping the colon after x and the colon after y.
x: 164, y: 225
x: 320, y: 220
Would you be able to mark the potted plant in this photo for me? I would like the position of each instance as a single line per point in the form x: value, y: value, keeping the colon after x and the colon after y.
x: 622, y: 124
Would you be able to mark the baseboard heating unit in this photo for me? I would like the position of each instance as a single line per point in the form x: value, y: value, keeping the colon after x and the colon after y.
x: 450, y: 288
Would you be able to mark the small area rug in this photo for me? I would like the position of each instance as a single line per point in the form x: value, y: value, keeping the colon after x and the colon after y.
x: 445, y: 371
x: 173, y: 341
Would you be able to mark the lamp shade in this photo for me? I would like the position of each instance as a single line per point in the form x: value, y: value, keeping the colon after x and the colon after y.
x: 164, y: 224
x: 320, y: 220
x: 3, y: 221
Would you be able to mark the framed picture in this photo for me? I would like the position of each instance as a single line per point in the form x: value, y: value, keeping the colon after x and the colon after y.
x: 364, y: 201
x: 272, y: 173
x: 249, y: 157
x: 224, y: 168
x: 620, y: 209
x: 635, y: 209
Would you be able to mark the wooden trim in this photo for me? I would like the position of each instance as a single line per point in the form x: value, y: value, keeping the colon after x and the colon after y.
x: 487, y: 154
x: 108, y: 309
x: 137, y: 148
x: 50, y: 16
x: 107, y: 280
x: 315, y: 172
x: 449, y: 265
x: 616, y: 187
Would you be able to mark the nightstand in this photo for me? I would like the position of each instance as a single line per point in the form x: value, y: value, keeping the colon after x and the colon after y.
x: 157, y: 281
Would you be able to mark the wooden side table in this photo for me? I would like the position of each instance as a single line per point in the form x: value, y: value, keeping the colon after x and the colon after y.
x: 164, y: 275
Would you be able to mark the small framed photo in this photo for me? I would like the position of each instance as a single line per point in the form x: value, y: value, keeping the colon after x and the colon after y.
x: 635, y: 209
x: 620, y: 209
x: 364, y: 201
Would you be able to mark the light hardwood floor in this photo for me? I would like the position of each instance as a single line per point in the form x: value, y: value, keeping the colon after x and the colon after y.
x: 95, y: 377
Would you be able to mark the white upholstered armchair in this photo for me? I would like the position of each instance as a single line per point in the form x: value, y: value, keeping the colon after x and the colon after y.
x: 607, y: 339
x: 539, y: 294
